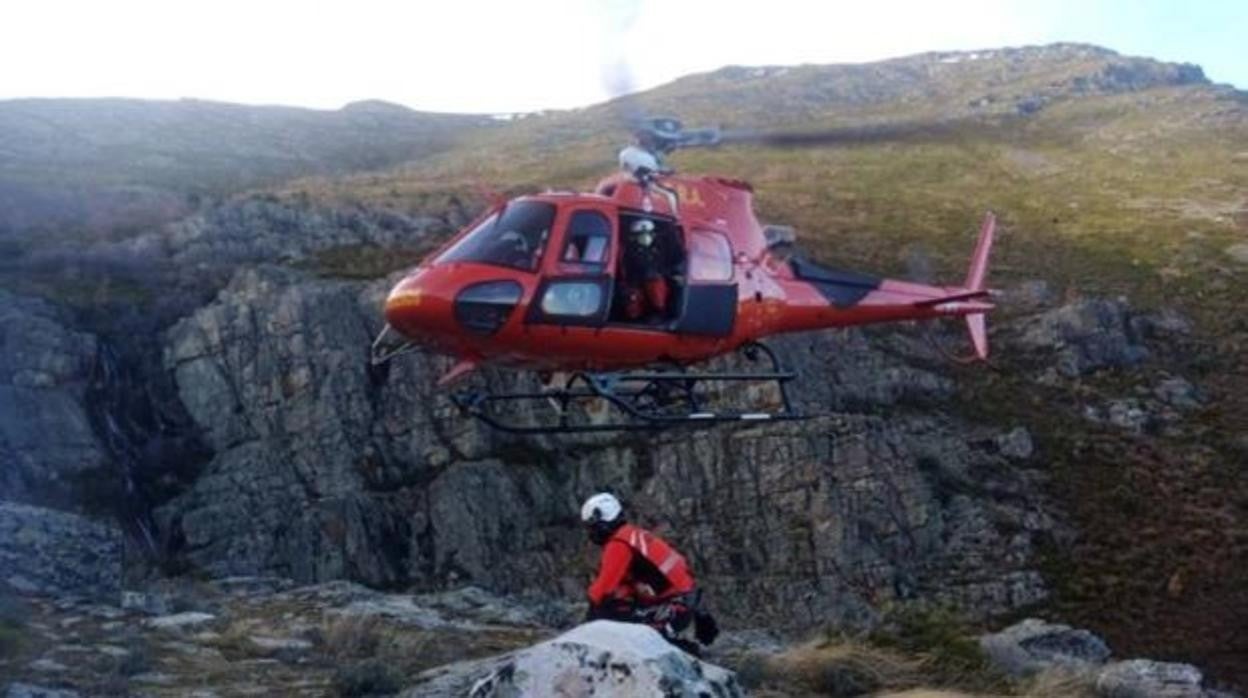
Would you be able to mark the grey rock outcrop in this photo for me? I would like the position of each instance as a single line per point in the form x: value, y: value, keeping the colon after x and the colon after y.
x: 178, y: 622
x: 1035, y: 646
x: 46, y: 438
x: 261, y: 229
x: 1032, y: 646
x: 1179, y: 393
x: 18, y: 689
x: 1087, y: 335
x: 1145, y: 678
x: 602, y: 658
x: 43, y: 551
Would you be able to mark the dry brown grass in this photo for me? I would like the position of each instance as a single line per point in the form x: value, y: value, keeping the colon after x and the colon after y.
x: 926, y: 693
x: 235, y: 642
x: 842, y: 667
x: 838, y: 668
x: 353, y: 637
x: 1050, y: 684
x: 1059, y: 684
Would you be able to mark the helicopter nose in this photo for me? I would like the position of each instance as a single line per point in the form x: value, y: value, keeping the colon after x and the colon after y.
x: 437, y: 307
x: 411, y: 310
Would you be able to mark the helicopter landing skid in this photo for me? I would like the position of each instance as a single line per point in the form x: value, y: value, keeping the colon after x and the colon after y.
x: 643, y: 400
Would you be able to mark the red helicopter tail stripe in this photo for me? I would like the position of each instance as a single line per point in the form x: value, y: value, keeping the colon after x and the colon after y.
x: 966, y: 296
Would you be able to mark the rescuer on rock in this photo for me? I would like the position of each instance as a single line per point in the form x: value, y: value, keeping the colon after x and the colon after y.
x: 642, y: 579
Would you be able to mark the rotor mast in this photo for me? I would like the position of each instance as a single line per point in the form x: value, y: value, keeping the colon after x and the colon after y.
x: 654, y: 138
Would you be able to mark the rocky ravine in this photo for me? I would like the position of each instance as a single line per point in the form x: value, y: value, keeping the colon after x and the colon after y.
x: 313, y: 469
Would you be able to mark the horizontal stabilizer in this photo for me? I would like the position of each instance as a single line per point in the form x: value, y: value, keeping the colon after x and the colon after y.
x: 953, y: 298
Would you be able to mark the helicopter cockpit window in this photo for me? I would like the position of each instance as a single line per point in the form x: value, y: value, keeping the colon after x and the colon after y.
x: 588, y: 239
x: 513, y: 238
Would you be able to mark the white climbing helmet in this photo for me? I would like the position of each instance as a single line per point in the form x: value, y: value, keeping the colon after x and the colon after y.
x: 602, y: 507
x: 643, y: 231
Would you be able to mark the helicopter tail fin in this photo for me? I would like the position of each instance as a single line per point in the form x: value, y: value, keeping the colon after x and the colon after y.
x: 976, y: 323
x: 979, y: 261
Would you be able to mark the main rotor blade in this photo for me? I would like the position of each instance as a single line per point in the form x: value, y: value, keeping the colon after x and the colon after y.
x: 845, y: 135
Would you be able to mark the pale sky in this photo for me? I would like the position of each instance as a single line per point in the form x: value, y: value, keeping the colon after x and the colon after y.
x: 523, y: 55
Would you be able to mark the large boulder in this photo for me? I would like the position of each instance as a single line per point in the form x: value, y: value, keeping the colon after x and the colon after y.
x: 46, y: 439
x: 602, y: 658
x: 1145, y: 678
x: 1033, y: 645
x: 43, y: 551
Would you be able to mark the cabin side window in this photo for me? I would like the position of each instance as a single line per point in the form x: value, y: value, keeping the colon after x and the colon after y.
x: 576, y: 299
x: 588, y: 240
x: 710, y: 257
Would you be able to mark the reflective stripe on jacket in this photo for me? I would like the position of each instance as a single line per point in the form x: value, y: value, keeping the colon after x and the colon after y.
x: 671, y: 565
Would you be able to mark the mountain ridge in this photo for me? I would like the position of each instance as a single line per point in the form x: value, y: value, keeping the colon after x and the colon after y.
x: 99, y: 164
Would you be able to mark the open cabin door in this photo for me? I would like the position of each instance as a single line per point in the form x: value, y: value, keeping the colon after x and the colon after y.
x: 710, y: 294
x: 577, y: 288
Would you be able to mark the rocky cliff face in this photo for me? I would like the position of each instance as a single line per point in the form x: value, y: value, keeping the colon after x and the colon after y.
x: 46, y: 437
x: 321, y: 473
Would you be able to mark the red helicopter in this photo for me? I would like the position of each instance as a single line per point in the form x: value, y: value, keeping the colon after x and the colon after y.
x: 612, y: 295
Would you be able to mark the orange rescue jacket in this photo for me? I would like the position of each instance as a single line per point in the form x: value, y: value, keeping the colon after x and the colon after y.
x: 636, y: 564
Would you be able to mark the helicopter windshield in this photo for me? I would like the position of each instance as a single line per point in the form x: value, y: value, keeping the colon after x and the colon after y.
x: 514, y: 237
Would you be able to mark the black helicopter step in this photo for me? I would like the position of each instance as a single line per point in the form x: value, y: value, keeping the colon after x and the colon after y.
x: 649, y: 400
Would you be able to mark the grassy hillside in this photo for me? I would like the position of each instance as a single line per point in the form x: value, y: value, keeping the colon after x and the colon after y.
x: 1138, y: 167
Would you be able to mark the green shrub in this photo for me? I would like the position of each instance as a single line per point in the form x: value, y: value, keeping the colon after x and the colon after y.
x: 946, y: 640
x: 10, y: 640
x: 367, y: 678
x: 13, y: 617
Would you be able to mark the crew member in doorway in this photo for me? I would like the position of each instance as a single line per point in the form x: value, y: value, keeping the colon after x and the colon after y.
x: 645, y: 266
